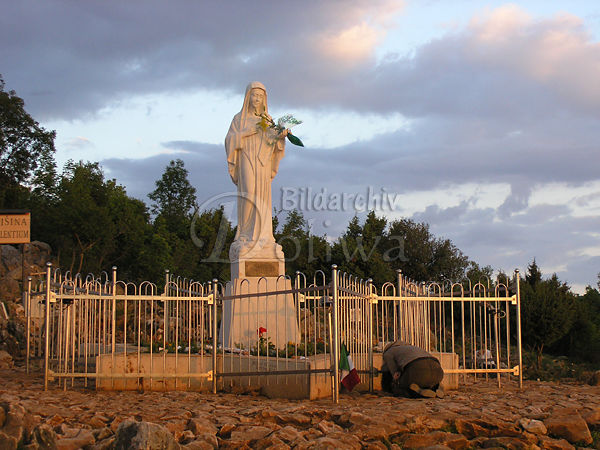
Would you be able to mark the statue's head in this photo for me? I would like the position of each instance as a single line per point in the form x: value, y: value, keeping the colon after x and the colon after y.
x: 256, y: 98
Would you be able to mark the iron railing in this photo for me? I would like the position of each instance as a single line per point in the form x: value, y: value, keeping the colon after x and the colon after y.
x: 135, y: 337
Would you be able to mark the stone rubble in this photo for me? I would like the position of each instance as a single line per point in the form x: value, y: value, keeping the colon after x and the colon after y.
x: 12, y: 311
x: 543, y: 415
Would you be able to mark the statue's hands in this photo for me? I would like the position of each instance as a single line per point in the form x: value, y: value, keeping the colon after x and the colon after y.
x: 284, y: 133
x: 396, y: 375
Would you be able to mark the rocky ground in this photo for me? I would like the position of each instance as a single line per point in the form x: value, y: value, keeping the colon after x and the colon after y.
x: 542, y: 415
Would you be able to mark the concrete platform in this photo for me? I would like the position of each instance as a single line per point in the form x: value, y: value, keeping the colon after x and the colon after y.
x: 156, y: 374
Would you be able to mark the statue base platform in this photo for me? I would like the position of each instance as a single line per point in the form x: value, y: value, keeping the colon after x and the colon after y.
x: 256, y: 320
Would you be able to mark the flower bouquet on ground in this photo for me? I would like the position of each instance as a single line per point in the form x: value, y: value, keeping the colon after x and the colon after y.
x: 283, y: 123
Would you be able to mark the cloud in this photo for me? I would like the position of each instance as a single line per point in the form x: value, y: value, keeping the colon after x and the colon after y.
x: 516, y: 201
x: 207, y: 172
x: 560, y: 242
x: 79, y: 143
x: 184, y: 146
x: 556, y: 52
x: 70, y: 60
x: 352, y: 45
x: 505, y: 65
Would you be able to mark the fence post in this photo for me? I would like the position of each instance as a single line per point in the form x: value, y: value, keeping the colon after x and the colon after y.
x: 370, y: 334
x: 47, y: 343
x: 214, y: 336
x: 398, y: 333
x: 519, y: 344
x: 28, y: 305
x: 166, y: 306
x: 113, y: 324
x: 297, y: 294
x: 336, y: 338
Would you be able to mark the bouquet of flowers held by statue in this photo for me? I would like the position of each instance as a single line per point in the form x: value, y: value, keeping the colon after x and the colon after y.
x: 283, y: 123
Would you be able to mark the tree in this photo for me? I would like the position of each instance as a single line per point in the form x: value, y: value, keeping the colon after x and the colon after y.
x: 363, y: 249
x: 423, y: 256
x: 477, y: 274
x: 25, y: 147
x: 304, y: 252
x: 174, y: 198
x: 533, y: 275
x: 212, y: 234
x: 583, y: 339
x: 547, y: 310
x: 174, y: 204
x: 92, y: 224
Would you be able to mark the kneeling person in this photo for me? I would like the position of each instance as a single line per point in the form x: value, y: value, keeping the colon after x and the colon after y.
x: 410, y: 371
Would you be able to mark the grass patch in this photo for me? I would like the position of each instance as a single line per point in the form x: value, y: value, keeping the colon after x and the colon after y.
x: 596, y: 438
x: 554, y: 368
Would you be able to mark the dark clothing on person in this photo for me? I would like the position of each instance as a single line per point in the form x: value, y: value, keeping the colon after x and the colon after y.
x: 413, y: 365
x: 397, y: 355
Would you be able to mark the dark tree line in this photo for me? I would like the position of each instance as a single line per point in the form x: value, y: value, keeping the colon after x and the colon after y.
x: 92, y: 224
x: 557, y: 321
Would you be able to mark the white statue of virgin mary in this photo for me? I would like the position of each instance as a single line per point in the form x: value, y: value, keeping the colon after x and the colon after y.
x: 253, y: 155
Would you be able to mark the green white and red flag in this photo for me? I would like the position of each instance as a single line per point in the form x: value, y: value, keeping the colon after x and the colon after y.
x: 349, y: 375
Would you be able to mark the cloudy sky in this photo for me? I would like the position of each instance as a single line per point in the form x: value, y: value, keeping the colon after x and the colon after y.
x: 481, y: 118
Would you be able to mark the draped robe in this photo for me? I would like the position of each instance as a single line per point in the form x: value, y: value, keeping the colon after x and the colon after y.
x: 253, y: 162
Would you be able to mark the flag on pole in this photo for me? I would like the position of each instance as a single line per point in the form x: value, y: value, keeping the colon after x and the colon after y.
x: 349, y: 375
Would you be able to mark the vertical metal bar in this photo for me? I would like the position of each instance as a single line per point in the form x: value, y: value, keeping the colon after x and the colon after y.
x: 151, y: 340
x: 67, y: 325
x: 508, y: 333
x: 165, y: 330
x: 58, y: 347
x: 333, y: 390
x: 496, y: 336
x: 177, y: 293
x: 214, y: 331
x: 518, y: 284
x: 47, y: 344
x: 398, y: 333
x: 86, y: 332
x: 28, y: 305
x: 189, y: 330
x: 166, y: 307
x: 73, y: 333
x: 125, y: 325
x: 370, y: 333
x: 452, y: 316
x: 114, y: 321
x: 139, y: 335
x: 462, y: 324
x: 336, y: 339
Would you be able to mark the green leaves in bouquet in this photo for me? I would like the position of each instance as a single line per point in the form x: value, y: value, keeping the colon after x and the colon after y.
x: 294, y: 140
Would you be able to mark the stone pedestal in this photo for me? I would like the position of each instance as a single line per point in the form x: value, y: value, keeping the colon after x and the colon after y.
x: 255, y: 270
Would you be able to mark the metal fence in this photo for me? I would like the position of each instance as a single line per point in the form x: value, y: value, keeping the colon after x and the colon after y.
x: 135, y: 337
x: 480, y: 323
